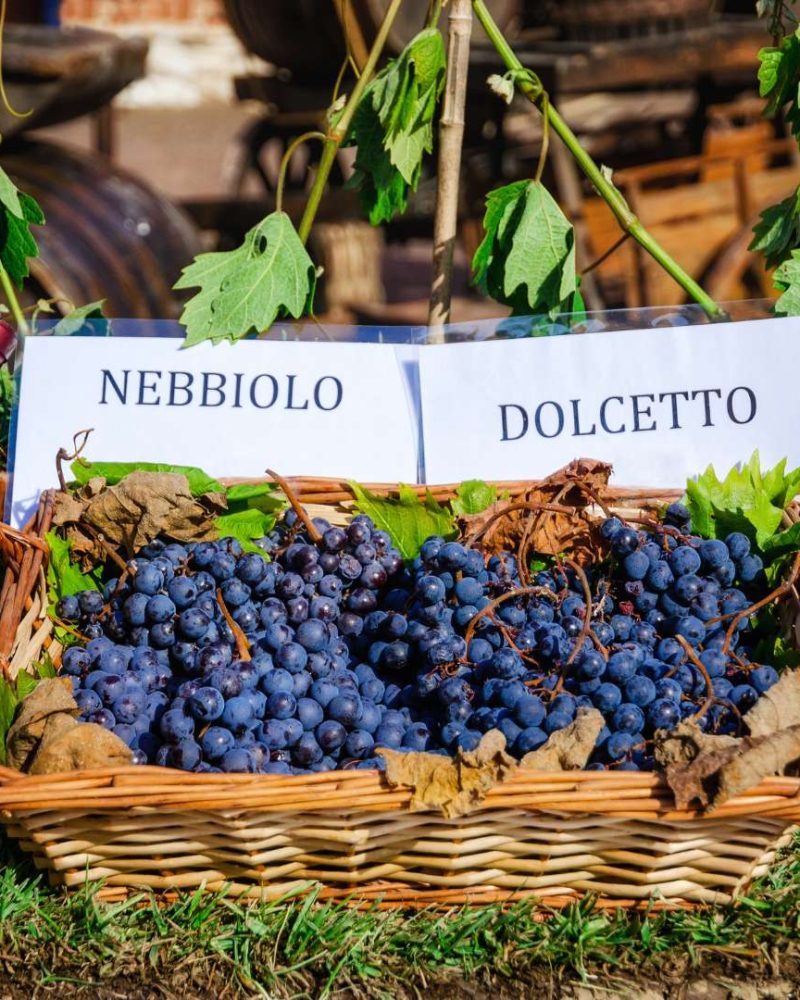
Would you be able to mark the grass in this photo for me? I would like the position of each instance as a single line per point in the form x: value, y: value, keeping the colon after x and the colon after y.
x: 204, y: 944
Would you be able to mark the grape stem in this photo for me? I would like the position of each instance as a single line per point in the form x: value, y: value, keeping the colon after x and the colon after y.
x: 774, y: 595
x: 700, y: 666
x: 297, y: 507
x: 531, y: 86
x: 242, y: 647
x: 13, y: 302
x: 291, y: 149
x: 336, y: 134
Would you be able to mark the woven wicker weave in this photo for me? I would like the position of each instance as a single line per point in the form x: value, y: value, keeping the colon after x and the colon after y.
x: 550, y: 836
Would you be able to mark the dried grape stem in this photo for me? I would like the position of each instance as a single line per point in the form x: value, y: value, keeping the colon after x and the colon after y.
x: 297, y: 507
x: 490, y: 607
x: 518, y: 505
x: 587, y: 618
x: 775, y: 595
x: 709, y: 684
x: 62, y: 455
x: 242, y: 646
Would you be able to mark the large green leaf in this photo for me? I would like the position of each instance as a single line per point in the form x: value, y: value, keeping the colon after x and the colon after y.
x: 787, y: 281
x: 527, y: 257
x: 8, y: 706
x: 748, y: 499
x: 245, y: 290
x: 114, y: 472
x: 17, y: 244
x: 778, y: 71
x: 393, y: 126
x: 778, y: 230
x: 408, y: 519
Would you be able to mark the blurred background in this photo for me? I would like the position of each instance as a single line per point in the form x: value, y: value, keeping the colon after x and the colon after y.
x: 157, y: 127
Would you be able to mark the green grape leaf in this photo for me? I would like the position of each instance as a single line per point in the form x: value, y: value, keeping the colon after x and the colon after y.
x: 246, y: 525
x: 527, y: 257
x: 17, y: 244
x: 393, y: 126
x: 382, y: 191
x: 787, y: 280
x: 89, y: 317
x: 749, y: 500
x: 778, y: 72
x: 256, y: 496
x: 778, y: 230
x: 408, y: 519
x: 8, y: 707
x: 10, y: 195
x: 473, y: 497
x: 200, y: 482
x: 245, y: 290
x: 63, y: 576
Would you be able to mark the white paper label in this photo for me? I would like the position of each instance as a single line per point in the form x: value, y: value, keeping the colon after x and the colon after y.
x: 318, y: 409
x: 660, y: 405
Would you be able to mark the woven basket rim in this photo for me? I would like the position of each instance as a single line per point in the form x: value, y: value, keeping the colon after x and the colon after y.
x: 648, y: 792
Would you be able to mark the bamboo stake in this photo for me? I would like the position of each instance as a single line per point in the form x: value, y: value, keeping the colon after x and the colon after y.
x: 451, y: 140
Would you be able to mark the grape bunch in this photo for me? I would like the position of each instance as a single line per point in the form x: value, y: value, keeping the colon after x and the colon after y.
x: 310, y: 657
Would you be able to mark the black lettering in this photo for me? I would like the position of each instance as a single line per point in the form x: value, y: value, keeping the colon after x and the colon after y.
x: 318, y: 392
x: 175, y: 388
x: 504, y: 407
x: 537, y: 418
x: 576, y: 420
x: 751, y: 397
x: 644, y: 411
x: 254, y: 385
x: 237, y: 395
x: 706, y: 394
x: 604, y: 422
x: 673, y: 396
x: 208, y: 389
x: 108, y: 379
x: 290, y: 396
x: 148, y: 387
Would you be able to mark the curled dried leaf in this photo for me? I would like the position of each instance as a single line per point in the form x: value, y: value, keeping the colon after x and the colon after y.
x: 455, y: 785
x: 712, y: 769
x: 568, y: 749
x: 549, y: 519
x: 46, y: 712
x: 82, y: 747
x: 778, y: 708
x: 133, y: 512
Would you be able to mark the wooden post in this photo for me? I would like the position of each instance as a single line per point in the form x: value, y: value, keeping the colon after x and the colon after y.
x: 451, y: 139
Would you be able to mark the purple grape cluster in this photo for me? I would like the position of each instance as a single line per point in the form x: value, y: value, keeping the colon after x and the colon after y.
x: 351, y: 650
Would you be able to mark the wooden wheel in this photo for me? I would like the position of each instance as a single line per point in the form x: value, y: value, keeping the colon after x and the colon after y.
x: 739, y: 273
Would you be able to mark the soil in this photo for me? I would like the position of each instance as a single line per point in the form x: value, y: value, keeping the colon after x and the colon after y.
x: 186, y: 983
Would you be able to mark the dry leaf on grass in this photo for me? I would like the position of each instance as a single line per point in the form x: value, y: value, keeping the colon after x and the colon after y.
x: 713, y: 769
x: 41, y: 715
x: 778, y: 709
x: 136, y: 510
x: 506, y: 524
x: 568, y: 749
x: 82, y: 748
x: 455, y: 785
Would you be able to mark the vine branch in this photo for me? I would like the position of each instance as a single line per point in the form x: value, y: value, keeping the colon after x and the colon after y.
x: 530, y: 85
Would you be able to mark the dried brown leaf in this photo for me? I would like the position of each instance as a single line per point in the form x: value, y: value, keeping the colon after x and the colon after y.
x: 81, y: 748
x: 45, y: 713
x: 568, y: 749
x: 508, y: 523
x: 713, y: 769
x: 455, y: 785
x: 133, y: 512
x: 778, y: 709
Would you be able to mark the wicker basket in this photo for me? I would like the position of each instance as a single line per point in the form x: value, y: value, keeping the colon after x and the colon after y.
x: 555, y: 837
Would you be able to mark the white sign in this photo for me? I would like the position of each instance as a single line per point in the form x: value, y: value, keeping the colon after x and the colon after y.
x: 660, y: 405
x: 320, y: 409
